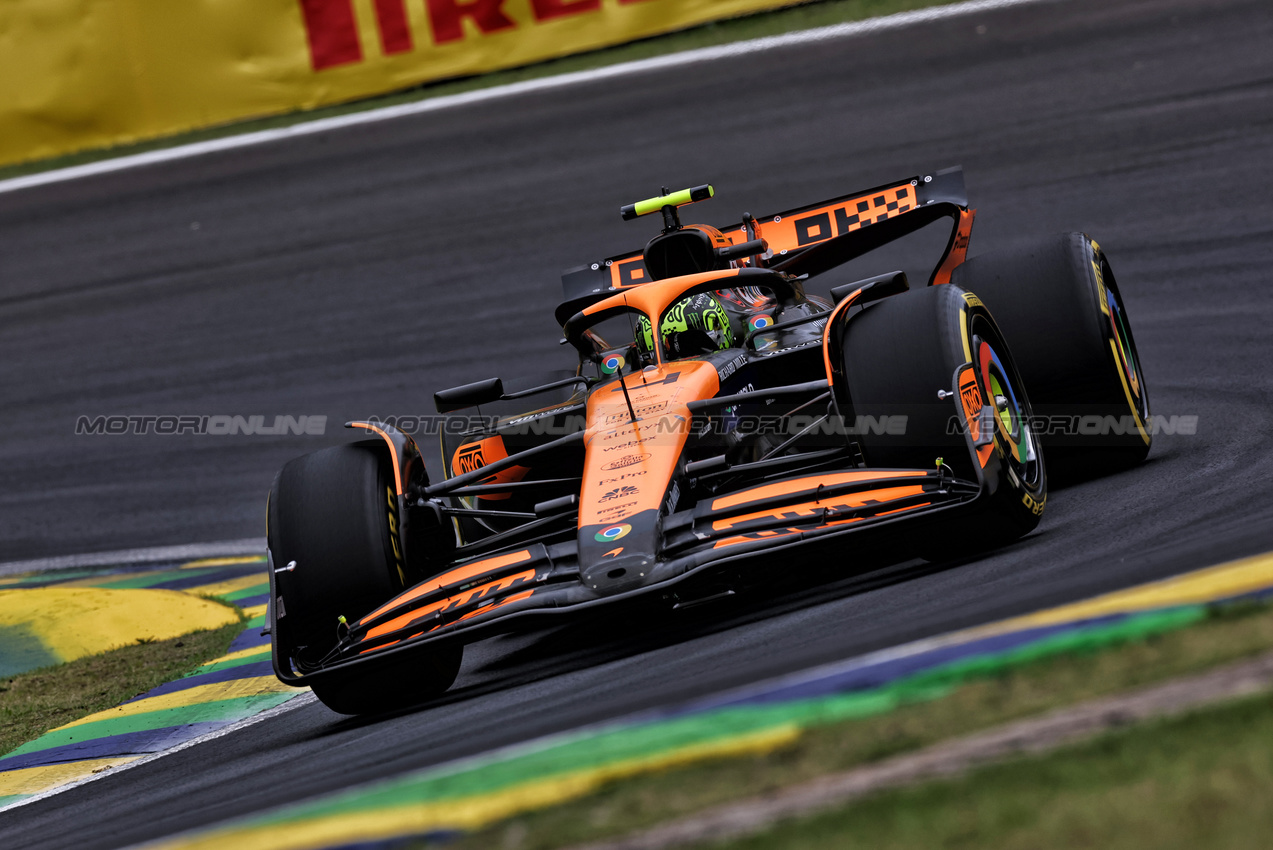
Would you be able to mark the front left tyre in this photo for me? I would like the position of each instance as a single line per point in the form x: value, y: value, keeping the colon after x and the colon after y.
x: 332, y: 515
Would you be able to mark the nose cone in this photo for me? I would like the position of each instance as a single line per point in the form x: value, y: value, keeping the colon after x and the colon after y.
x: 618, y: 573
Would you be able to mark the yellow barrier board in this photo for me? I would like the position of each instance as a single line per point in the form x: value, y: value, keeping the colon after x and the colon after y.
x: 77, y: 74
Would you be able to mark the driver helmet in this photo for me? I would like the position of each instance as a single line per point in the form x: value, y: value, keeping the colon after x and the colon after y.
x: 697, y: 324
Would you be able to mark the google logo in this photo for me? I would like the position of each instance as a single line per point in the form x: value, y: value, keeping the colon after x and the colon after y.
x: 614, y: 532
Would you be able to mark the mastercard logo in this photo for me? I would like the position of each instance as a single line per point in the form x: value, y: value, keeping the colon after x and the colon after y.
x: 614, y: 532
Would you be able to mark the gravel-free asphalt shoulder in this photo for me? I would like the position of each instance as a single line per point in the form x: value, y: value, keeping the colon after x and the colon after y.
x: 352, y: 274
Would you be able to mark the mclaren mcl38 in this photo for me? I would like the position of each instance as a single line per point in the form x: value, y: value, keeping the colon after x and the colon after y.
x: 723, y: 422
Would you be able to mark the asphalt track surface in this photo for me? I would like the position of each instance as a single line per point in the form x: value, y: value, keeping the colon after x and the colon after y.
x: 355, y: 273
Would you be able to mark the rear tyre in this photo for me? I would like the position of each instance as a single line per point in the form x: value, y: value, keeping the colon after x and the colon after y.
x: 331, y: 512
x: 1058, y: 304
x: 897, y: 355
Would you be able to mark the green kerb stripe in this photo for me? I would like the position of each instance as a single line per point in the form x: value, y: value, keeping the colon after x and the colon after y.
x: 608, y: 747
x: 263, y: 655
x: 227, y: 709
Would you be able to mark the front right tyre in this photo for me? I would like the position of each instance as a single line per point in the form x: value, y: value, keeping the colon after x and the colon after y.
x: 899, y: 356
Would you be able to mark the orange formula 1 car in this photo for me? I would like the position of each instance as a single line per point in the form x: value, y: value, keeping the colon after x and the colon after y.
x: 722, y: 425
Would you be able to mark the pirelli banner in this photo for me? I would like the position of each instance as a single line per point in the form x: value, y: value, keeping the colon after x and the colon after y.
x: 78, y: 74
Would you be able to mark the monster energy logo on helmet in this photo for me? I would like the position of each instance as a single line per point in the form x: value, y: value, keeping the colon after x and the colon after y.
x: 702, y: 321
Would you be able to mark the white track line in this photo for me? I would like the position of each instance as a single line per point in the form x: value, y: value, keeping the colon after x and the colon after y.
x: 189, y: 552
x: 299, y: 701
x: 389, y: 113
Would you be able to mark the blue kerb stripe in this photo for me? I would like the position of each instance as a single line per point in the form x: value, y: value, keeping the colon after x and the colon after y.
x: 213, y: 577
x: 255, y: 670
x: 249, y: 638
x: 128, y: 744
x: 888, y: 671
x: 430, y: 838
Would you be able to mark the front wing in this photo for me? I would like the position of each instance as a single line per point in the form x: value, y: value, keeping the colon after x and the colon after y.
x: 497, y: 593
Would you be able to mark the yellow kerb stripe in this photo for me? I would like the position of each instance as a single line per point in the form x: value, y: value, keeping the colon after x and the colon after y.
x: 190, y: 696
x: 1200, y: 586
x: 33, y: 780
x: 474, y: 812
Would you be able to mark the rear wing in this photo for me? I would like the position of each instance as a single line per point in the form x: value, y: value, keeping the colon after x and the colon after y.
x: 811, y: 239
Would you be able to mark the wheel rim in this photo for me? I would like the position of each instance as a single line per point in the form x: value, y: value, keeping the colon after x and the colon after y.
x: 1011, y: 417
x: 1125, y: 351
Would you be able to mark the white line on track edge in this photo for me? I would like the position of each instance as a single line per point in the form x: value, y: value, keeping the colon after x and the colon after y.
x: 299, y: 701
x: 900, y: 20
x: 129, y: 557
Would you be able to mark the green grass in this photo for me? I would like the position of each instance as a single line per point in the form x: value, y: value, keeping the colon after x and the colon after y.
x: 35, y: 702
x: 1035, y: 688
x: 1203, y: 780
x: 806, y: 16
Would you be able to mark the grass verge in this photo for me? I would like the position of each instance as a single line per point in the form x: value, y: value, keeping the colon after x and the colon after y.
x: 1228, y: 634
x: 1202, y: 780
x: 35, y: 702
x: 808, y: 15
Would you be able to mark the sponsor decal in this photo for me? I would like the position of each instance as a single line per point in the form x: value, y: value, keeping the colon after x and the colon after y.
x: 732, y: 366
x: 539, y: 415
x: 641, y: 410
x: 625, y: 492
x: 970, y: 395
x: 612, y: 364
x: 630, y: 444
x: 630, y: 273
x: 620, y: 509
x: 760, y: 321
x: 468, y: 458
x: 612, y: 552
x: 626, y: 476
x: 626, y: 461
x: 853, y: 215
x: 614, y: 532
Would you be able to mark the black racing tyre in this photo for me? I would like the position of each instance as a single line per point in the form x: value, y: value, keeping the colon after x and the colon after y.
x: 393, y: 684
x: 1058, y: 304
x: 331, y: 512
x: 898, y: 354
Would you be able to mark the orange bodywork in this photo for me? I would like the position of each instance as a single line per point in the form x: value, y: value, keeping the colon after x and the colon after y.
x: 476, y: 455
x: 653, y: 298
x: 812, y: 510
x: 628, y: 465
x: 807, y: 227
x: 798, y: 485
x: 958, y: 247
x: 455, y: 576
x: 456, y: 601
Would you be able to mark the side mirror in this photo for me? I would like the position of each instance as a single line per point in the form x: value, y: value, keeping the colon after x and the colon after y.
x: 469, y: 395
